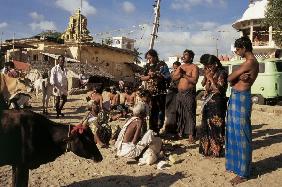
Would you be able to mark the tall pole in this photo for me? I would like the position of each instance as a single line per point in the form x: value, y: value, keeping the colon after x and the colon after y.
x: 13, y: 46
x: 156, y: 24
x: 80, y: 30
x: 1, y: 41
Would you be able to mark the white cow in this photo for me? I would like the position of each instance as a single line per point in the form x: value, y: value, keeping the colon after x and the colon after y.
x: 47, y: 91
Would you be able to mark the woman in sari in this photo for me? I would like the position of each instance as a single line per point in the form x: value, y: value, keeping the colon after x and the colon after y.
x: 214, y: 107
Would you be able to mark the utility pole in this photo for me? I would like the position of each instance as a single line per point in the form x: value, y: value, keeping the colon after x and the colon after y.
x: 80, y: 30
x: 13, y: 46
x: 156, y: 23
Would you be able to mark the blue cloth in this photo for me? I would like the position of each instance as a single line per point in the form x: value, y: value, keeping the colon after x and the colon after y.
x: 238, y: 150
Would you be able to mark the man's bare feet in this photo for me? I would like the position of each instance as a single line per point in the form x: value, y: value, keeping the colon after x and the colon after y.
x: 237, y: 180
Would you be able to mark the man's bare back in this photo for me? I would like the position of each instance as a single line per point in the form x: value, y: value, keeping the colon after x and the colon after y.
x: 130, y: 98
x: 133, y: 132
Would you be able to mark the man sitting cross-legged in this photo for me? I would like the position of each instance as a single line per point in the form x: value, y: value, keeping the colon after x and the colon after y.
x: 132, y: 141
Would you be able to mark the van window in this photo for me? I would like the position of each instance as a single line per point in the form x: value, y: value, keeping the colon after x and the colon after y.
x: 279, y: 66
x: 261, y: 67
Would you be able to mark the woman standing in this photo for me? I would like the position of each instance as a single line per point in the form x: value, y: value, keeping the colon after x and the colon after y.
x: 214, y: 107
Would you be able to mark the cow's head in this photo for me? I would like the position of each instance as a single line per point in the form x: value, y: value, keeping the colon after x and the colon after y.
x: 82, y: 143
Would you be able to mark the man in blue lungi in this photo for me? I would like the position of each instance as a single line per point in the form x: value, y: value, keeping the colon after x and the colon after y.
x: 238, y: 124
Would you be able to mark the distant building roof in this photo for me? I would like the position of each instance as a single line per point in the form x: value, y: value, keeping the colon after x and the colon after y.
x: 21, y: 65
x: 56, y: 57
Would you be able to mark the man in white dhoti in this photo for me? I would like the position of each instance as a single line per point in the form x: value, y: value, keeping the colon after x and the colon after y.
x: 130, y: 142
x: 59, y: 80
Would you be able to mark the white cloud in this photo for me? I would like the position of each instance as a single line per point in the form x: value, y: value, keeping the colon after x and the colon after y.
x: 3, y: 25
x: 72, y: 5
x: 188, y: 4
x: 173, y: 42
x: 43, y: 25
x: 35, y: 16
x: 128, y: 7
x: 39, y: 22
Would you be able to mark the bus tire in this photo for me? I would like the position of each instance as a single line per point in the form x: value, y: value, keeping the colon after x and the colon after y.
x: 258, y: 99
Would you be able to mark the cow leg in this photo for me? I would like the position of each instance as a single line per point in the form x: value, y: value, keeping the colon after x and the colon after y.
x: 20, y: 176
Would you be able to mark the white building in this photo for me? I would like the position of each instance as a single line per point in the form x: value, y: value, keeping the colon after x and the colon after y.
x: 123, y: 43
x: 251, y: 25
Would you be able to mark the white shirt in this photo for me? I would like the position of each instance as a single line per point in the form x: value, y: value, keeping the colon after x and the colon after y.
x: 59, y: 80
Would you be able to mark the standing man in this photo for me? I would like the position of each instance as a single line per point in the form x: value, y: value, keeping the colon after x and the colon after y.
x: 155, y: 75
x: 238, y: 125
x: 187, y: 74
x: 59, y: 80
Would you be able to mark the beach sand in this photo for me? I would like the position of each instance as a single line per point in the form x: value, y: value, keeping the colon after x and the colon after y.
x: 191, y: 169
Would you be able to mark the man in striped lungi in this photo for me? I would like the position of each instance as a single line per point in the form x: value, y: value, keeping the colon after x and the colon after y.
x: 238, y: 123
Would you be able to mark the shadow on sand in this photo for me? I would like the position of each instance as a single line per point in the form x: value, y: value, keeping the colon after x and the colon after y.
x: 267, y: 165
x: 160, y: 179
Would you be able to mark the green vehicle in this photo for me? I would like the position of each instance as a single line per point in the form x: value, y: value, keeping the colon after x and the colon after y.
x: 267, y: 89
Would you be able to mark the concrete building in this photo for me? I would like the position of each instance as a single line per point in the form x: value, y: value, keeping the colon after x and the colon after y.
x: 123, y: 43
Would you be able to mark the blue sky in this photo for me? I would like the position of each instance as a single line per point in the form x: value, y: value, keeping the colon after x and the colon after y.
x: 200, y: 25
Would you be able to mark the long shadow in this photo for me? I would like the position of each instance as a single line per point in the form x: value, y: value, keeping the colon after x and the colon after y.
x: 267, y: 165
x: 161, y: 179
x: 264, y: 132
x: 267, y: 141
x: 254, y: 127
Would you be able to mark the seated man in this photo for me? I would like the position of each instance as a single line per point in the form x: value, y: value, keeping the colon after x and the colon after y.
x: 130, y: 142
x: 98, y: 123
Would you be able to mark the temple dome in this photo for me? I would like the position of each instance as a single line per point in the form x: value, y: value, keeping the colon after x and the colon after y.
x: 256, y: 10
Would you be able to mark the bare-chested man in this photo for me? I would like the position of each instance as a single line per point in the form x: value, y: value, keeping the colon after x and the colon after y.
x: 187, y: 74
x: 238, y: 125
x: 96, y: 98
x: 114, y: 98
x: 129, y: 97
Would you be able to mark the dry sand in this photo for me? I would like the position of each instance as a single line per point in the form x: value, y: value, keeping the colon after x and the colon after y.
x: 191, y: 170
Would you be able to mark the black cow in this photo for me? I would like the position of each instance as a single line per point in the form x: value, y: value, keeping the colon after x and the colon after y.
x: 28, y: 139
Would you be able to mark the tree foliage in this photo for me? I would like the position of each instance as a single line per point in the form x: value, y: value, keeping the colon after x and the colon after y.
x: 274, y: 18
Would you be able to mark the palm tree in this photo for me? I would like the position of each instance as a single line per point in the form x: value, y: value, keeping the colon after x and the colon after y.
x: 137, y: 56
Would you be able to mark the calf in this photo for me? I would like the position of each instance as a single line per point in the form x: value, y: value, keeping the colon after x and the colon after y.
x: 47, y: 91
x: 28, y: 139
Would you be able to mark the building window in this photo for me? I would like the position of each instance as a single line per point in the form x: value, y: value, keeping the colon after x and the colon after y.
x: 117, y: 42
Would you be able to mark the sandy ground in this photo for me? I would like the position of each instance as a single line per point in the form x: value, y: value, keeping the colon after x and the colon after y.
x: 191, y: 169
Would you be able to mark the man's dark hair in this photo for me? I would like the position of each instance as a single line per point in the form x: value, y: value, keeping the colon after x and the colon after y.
x: 177, y: 63
x: 244, y: 42
x: 61, y: 56
x: 191, y: 54
x: 207, y: 59
x: 153, y: 53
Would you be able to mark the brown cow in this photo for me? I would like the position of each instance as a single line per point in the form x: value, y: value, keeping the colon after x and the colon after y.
x: 28, y: 139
